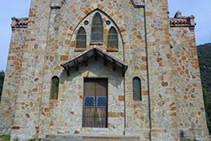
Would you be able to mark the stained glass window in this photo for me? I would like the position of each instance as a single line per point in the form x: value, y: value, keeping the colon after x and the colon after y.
x: 81, y: 38
x: 54, y: 87
x: 97, y: 28
x: 112, y: 38
x: 136, y: 88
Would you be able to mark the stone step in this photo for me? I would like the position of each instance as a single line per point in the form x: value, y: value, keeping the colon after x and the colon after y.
x: 89, y: 138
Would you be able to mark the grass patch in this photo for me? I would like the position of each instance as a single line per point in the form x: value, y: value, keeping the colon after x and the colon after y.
x: 5, y: 138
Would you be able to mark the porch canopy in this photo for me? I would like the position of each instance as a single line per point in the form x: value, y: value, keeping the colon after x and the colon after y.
x: 94, y: 51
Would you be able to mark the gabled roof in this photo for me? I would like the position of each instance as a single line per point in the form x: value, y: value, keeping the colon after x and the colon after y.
x: 93, y: 52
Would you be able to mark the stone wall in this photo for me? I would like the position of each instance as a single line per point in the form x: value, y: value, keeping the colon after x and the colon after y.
x: 58, y: 47
x: 64, y: 116
x: 26, y: 122
x: 189, y: 98
x: 12, y: 78
x: 162, y: 91
x: 63, y: 29
x: 162, y: 56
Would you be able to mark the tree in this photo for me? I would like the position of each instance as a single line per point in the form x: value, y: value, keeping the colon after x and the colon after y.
x: 204, y: 54
x: 207, y: 101
x: 2, y: 74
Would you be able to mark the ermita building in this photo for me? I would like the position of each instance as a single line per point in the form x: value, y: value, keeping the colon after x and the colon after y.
x: 103, y: 70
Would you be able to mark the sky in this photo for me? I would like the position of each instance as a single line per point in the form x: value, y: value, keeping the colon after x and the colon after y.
x: 20, y: 8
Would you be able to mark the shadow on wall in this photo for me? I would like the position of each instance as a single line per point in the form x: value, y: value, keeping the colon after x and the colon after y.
x: 94, y: 69
x: 2, y: 75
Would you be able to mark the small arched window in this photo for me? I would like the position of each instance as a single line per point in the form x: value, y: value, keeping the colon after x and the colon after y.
x: 81, y: 38
x: 97, y: 28
x: 54, y: 87
x: 136, y: 89
x: 112, y: 38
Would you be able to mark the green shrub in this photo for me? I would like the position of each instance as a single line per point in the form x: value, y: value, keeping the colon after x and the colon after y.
x: 5, y: 137
x: 204, y: 54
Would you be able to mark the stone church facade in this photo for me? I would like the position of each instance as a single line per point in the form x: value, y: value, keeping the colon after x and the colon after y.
x: 103, y: 68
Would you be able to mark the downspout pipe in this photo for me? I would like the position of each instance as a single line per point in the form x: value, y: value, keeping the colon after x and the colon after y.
x: 147, y: 64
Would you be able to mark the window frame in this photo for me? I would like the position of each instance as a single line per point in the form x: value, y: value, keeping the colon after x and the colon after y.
x: 135, y: 97
x: 52, y: 93
x: 112, y: 48
x: 91, y: 39
x: 81, y: 48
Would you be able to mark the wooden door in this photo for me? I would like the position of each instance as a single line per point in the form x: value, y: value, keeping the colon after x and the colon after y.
x: 95, y: 103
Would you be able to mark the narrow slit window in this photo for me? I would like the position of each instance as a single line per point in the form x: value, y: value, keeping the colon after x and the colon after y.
x: 112, y: 38
x: 137, y: 89
x: 97, y: 28
x: 81, y: 38
x: 54, y: 88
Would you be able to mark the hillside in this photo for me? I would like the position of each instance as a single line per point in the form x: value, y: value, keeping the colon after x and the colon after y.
x: 204, y: 54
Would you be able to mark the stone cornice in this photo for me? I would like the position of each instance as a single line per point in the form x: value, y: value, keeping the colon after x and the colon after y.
x: 182, y: 21
x: 137, y: 4
x: 19, y: 22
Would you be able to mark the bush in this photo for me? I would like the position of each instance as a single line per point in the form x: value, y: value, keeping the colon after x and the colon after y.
x: 204, y: 54
x: 5, y: 138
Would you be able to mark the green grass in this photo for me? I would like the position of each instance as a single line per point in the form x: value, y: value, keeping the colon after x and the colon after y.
x: 4, y: 138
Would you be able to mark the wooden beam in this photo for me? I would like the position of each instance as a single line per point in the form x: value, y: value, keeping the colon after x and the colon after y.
x: 76, y: 65
x: 123, y: 70
x: 68, y: 71
x: 114, y: 65
x: 95, y: 54
x: 86, y: 60
x: 104, y: 60
x: 123, y: 73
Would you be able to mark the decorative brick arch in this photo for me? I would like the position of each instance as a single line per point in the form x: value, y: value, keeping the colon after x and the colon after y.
x: 111, y: 14
x: 85, y: 13
x: 121, y: 30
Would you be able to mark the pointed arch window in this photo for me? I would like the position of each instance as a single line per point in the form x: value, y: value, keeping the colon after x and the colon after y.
x: 81, y: 38
x: 97, y: 28
x: 112, y: 38
x: 137, y: 89
x: 54, y: 87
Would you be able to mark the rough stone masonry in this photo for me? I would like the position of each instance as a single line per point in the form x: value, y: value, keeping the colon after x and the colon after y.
x: 158, y: 50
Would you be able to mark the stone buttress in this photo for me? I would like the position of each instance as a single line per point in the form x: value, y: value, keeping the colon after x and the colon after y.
x: 13, y: 73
